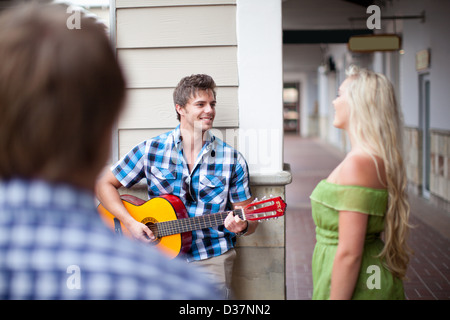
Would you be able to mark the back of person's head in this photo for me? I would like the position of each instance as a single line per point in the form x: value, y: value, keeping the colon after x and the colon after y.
x: 189, y: 86
x: 61, y: 90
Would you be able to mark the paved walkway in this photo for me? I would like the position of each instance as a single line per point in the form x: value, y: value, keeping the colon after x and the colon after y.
x: 311, y: 160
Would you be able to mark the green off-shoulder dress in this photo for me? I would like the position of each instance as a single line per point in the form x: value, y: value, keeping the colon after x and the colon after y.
x: 374, y: 281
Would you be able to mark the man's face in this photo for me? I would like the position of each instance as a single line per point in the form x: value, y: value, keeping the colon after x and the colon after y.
x: 200, y: 111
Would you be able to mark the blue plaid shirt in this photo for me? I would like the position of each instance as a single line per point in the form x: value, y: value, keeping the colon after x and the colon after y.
x: 54, y: 246
x: 220, y: 177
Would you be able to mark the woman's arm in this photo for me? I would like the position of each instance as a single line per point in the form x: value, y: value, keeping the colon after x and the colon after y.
x: 357, y: 169
x: 347, y: 262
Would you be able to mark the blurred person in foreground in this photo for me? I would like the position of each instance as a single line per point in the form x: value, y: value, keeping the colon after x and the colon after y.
x: 61, y: 91
x: 363, y: 198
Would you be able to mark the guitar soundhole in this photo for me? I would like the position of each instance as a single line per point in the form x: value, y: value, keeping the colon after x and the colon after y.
x: 154, y: 229
x: 150, y: 222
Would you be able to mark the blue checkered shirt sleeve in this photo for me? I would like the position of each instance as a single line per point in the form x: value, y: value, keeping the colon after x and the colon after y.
x: 131, y: 168
x: 240, y: 181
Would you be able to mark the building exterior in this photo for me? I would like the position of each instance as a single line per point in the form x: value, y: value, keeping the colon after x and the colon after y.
x: 419, y: 72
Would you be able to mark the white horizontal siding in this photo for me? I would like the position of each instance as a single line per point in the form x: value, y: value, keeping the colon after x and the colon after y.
x: 164, y: 67
x: 176, y: 27
x: 158, y: 42
x: 154, y: 108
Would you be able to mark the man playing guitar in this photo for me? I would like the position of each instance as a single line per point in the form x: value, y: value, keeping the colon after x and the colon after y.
x: 189, y: 162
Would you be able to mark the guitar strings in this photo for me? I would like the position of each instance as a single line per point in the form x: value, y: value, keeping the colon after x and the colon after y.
x: 167, y: 228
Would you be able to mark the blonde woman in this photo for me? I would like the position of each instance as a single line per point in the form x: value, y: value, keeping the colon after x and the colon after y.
x: 363, y: 199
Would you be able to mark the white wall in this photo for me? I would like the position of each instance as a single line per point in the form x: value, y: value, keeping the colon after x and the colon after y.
x: 433, y: 34
x: 160, y: 42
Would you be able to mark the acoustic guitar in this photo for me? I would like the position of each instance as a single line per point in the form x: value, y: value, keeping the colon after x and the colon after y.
x: 167, y: 218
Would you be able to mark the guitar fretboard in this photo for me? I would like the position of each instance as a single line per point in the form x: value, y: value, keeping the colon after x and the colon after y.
x: 167, y: 228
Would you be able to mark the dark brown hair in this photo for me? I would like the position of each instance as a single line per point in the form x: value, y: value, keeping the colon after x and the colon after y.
x: 189, y: 86
x: 61, y: 91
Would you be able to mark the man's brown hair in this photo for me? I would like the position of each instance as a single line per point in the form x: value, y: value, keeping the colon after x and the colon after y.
x: 61, y: 90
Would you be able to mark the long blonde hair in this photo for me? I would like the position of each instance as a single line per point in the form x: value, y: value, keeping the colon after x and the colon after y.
x: 376, y: 123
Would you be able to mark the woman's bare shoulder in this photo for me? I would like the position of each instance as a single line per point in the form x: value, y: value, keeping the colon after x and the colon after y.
x: 360, y: 169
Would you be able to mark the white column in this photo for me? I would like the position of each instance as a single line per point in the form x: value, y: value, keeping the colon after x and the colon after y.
x: 259, y: 33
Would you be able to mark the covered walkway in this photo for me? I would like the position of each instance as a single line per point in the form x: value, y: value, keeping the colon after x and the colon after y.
x: 311, y: 161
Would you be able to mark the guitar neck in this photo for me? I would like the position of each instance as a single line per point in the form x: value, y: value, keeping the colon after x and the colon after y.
x: 171, y: 227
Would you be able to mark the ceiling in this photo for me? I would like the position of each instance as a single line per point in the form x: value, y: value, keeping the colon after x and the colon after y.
x: 364, y: 3
x: 309, y: 26
x: 322, y: 14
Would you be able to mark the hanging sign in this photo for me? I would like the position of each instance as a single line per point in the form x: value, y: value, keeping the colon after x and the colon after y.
x: 373, y: 43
